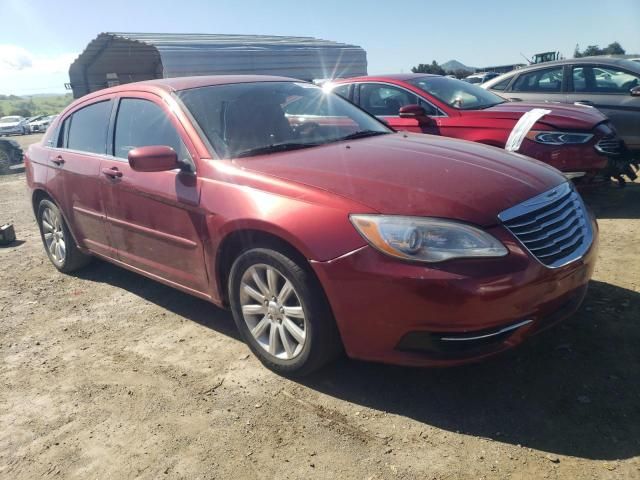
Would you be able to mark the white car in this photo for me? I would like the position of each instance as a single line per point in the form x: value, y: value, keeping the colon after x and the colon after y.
x: 31, y: 120
x: 42, y: 124
x: 13, y: 125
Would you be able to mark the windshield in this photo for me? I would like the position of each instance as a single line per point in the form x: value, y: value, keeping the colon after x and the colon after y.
x: 247, y: 119
x: 456, y: 93
x: 10, y: 119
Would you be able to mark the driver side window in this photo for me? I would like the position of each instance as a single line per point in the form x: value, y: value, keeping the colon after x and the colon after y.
x: 142, y: 123
x: 387, y: 100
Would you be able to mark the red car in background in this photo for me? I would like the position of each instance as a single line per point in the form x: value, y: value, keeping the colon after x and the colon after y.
x: 579, y: 141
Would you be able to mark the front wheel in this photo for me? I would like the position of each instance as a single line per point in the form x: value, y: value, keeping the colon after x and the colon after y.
x: 281, y: 313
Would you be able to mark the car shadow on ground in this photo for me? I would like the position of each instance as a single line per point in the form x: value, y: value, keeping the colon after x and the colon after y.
x: 188, y: 306
x: 572, y: 390
x: 612, y: 201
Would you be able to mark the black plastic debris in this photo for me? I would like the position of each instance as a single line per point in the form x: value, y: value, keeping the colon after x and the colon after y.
x: 7, y: 234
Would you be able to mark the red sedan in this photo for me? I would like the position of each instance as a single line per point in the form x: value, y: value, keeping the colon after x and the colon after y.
x: 316, y: 224
x: 576, y: 140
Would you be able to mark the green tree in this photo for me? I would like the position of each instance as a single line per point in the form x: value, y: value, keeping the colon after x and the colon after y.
x: 433, y: 68
x: 593, y: 50
x: 24, y: 109
x: 614, y: 49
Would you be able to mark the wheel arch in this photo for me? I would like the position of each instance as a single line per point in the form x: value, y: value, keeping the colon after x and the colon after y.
x: 40, y: 194
x: 241, y: 240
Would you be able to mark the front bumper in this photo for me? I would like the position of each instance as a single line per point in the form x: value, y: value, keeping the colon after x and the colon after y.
x: 394, y: 312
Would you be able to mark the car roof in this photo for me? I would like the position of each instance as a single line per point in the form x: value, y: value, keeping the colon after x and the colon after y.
x: 599, y: 59
x: 390, y: 76
x: 185, y: 83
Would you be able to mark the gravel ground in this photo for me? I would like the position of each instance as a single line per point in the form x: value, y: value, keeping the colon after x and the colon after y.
x: 106, y: 374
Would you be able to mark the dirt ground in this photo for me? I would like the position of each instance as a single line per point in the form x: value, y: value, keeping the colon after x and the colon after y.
x: 106, y: 374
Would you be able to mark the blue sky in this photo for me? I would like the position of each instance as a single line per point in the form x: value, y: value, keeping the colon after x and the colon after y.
x: 39, y: 38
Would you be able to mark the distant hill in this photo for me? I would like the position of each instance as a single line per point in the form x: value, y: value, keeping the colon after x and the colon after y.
x: 31, y: 105
x: 454, y: 65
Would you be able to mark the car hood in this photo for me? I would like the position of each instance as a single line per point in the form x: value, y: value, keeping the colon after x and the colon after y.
x: 415, y: 174
x: 10, y: 124
x: 562, y: 116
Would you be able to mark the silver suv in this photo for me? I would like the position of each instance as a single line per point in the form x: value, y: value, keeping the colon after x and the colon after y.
x: 612, y: 85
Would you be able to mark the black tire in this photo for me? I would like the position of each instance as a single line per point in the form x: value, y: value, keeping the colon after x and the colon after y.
x: 73, y: 258
x: 322, y: 341
x: 4, y: 162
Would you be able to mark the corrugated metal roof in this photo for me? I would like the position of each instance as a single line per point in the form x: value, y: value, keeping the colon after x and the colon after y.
x: 143, y: 56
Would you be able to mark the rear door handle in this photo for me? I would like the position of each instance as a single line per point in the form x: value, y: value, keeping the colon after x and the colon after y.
x: 112, y: 172
x: 58, y: 160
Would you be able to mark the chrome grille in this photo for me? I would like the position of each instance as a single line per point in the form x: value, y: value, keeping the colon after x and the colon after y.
x: 554, y: 226
x: 609, y: 145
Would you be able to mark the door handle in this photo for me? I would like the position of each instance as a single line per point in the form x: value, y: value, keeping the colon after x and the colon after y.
x: 58, y: 160
x: 584, y: 102
x: 112, y: 172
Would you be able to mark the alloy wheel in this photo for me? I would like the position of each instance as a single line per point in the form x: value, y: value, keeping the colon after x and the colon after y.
x: 54, y: 235
x: 273, y: 312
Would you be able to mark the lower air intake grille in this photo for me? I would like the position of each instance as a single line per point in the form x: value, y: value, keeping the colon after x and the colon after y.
x: 554, y: 226
x: 610, y: 145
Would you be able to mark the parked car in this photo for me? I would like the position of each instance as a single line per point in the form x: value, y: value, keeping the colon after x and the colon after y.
x: 576, y: 140
x: 13, y: 125
x: 42, y: 124
x: 30, y: 120
x: 481, y: 77
x: 10, y: 154
x: 612, y: 85
x: 319, y: 226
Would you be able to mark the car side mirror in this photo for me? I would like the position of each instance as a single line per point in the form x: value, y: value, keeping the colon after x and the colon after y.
x: 635, y: 91
x: 416, y: 112
x: 156, y: 158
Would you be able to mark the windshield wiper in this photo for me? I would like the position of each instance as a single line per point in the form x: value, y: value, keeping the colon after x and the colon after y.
x: 276, y: 147
x: 362, y: 134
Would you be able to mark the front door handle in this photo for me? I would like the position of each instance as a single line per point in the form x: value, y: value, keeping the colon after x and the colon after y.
x: 112, y: 172
x: 584, y: 102
x: 58, y: 160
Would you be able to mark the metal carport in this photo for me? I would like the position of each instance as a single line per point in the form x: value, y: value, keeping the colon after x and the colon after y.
x: 116, y: 58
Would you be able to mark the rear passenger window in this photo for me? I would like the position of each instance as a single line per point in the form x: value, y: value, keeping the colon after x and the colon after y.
x: 540, y: 81
x: 88, y: 128
x: 142, y: 123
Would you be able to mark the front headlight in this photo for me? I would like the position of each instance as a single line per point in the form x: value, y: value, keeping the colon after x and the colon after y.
x: 559, y: 138
x: 426, y: 239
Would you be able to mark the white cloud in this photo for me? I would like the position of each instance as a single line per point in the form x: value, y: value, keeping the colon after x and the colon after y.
x: 14, y: 58
x: 23, y: 71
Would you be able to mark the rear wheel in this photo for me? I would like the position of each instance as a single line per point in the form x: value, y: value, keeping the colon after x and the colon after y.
x: 4, y: 162
x: 281, y: 313
x: 58, y: 242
